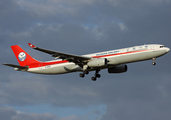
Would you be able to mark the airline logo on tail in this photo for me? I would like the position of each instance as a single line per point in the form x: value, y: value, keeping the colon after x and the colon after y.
x: 22, y: 56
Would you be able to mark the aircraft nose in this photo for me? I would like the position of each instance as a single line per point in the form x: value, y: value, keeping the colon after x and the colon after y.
x: 167, y: 49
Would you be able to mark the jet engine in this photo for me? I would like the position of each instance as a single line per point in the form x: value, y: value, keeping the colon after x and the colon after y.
x: 118, y: 69
x: 97, y: 62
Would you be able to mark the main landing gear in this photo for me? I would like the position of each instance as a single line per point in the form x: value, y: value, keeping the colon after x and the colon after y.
x: 94, y: 78
x: 83, y: 74
x: 96, y: 75
x: 154, y: 63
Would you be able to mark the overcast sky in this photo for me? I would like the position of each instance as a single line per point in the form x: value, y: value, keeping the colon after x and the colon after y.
x: 82, y: 27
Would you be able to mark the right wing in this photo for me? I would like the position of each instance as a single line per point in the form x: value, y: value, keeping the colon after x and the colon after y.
x: 80, y: 60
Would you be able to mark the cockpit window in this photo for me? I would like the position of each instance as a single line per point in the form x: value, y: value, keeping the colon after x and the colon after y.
x: 162, y: 46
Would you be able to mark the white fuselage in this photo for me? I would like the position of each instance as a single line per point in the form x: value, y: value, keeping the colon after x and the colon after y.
x: 114, y: 57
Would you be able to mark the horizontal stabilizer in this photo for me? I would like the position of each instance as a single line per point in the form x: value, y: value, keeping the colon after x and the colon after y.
x: 17, y: 66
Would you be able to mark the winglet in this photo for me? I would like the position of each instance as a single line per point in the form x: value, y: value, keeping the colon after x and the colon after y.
x: 31, y: 45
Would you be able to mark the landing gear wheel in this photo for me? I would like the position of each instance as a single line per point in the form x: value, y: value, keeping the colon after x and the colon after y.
x: 154, y: 63
x: 82, y: 75
x: 93, y: 78
x: 98, y: 75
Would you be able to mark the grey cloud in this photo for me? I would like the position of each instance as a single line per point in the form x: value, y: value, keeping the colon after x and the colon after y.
x: 8, y: 113
x: 12, y: 17
x: 24, y: 90
x: 34, y: 116
x: 136, y: 109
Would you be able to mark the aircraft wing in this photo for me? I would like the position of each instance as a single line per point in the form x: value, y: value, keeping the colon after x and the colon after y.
x: 65, y: 56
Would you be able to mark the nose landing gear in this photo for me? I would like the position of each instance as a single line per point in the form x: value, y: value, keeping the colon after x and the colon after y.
x: 154, y: 63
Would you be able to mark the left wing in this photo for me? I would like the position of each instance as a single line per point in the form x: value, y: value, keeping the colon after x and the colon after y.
x: 80, y: 60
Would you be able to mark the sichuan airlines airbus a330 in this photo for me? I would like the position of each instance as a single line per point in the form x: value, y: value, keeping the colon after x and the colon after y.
x: 114, y: 60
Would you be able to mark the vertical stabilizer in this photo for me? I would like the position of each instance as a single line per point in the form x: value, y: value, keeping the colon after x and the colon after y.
x: 23, y: 58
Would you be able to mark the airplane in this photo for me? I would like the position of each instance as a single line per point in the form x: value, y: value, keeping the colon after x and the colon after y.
x: 114, y: 60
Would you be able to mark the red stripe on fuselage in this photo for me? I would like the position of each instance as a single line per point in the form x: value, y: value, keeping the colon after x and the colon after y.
x: 118, y: 54
x: 42, y: 64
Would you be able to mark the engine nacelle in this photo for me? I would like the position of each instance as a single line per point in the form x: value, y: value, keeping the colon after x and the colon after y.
x: 118, y: 69
x: 98, y: 62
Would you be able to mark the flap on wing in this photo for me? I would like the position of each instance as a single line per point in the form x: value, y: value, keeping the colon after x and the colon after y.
x: 60, y: 55
x: 17, y: 66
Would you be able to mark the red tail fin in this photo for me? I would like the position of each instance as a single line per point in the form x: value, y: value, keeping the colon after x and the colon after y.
x: 23, y: 58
